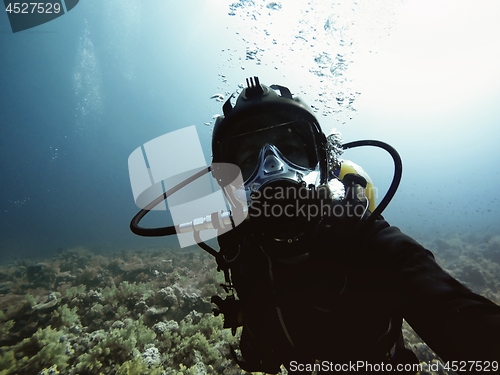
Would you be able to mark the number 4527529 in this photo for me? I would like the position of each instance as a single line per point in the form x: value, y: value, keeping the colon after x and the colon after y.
x: 33, y: 8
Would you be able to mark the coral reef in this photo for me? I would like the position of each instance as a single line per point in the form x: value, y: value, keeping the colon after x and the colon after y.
x: 474, y: 260
x: 149, y: 311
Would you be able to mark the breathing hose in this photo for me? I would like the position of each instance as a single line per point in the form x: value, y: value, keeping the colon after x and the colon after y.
x: 396, y: 179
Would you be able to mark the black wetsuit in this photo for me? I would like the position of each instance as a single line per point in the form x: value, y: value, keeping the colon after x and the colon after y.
x: 346, y: 302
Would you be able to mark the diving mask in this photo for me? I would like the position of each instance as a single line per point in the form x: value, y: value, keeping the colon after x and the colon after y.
x: 279, y: 155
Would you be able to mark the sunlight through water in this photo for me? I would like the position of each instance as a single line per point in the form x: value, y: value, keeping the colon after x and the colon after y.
x: 321, y: 39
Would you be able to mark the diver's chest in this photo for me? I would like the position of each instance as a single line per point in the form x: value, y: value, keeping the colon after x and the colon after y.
x: 323, y: 300
x: 325, y: 287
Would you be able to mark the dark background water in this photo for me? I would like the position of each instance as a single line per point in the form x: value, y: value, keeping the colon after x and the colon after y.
x: 80, y: 93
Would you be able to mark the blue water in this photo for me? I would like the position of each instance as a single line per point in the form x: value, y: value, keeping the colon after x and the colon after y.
x: 80, y: 93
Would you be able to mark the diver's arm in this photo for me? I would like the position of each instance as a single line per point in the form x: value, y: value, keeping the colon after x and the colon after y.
x: 455, y: 322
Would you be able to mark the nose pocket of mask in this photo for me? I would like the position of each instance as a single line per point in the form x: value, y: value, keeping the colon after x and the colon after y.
x: 272, y: 165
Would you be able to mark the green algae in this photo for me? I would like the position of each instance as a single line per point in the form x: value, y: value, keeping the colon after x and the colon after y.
x: 44, y: 349
x: 124, y: 315
x: 147, y: 312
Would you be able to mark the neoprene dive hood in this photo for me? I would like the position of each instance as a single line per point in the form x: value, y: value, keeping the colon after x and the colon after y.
x: 268, y: 129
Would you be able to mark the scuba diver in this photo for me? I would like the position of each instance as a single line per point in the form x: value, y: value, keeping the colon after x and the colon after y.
x: 314, y: 274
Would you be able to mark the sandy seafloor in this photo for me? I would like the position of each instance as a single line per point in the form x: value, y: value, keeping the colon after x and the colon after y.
x: 149, y: 311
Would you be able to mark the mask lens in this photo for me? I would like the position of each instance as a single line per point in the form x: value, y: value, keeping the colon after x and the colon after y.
x: 294, y: 139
